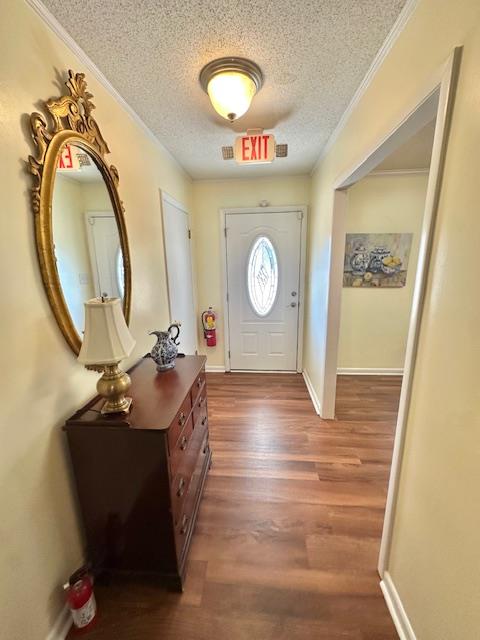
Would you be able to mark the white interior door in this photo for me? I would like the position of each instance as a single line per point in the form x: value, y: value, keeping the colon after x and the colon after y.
x: 105, y: 254
x: 178, y: 259
x: 263, y: 253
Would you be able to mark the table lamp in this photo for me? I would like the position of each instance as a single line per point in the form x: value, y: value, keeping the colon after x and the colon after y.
x: 106, y: 341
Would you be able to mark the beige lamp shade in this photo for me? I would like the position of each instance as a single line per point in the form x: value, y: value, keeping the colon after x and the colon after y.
x: 107, y: 339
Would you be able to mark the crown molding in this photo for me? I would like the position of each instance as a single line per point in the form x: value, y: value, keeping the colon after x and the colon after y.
x: 396, y: 30
x: 274, y: 176
x: 52, y: 23
x: 398, y: 172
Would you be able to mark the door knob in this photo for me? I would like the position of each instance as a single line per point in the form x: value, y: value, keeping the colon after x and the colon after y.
x: 294, y: 293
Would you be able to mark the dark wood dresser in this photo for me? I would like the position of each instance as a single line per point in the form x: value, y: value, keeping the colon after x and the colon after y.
x: 140, y: 476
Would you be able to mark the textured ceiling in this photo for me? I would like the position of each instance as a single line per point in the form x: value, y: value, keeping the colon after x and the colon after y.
x: 314, y: 54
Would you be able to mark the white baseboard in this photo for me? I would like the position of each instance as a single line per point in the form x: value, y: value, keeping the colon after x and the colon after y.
x: 368, y: 371
x: 61, y: 626
x: 312, y: 392
x: 395, y: 606
x: 215, y: 368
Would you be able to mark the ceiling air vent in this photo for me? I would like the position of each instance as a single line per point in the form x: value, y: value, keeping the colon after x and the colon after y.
x: 83, y: 160
x: 281, y: 150
x: 227, y: 153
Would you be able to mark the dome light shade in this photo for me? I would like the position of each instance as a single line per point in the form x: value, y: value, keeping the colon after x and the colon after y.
x: 231, y: 94
x: 231, y: 84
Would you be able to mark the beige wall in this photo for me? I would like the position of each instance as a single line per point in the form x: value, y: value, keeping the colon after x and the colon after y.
x: 211, y: 196
x: 71, y: 249
x: 374, y: 322
x: 435, y: 559
x: 41, y: 381
x: 96, y: 197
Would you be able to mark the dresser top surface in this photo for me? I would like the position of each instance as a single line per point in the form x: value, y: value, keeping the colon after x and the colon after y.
x: 157, y: 397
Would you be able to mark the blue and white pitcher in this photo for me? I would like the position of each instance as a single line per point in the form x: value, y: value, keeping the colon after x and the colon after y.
x: 165, y: 350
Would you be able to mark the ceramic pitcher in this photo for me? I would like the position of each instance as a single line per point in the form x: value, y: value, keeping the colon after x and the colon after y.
x: 165, y: 350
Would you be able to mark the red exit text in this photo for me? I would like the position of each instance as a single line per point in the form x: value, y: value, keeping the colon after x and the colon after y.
x: 255, y: 149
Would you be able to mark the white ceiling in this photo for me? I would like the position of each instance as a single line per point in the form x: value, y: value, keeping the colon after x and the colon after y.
x: 314, y: 55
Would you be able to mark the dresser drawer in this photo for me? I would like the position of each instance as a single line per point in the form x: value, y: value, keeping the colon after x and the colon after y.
x: 200, y: 406
x: 183, y: 466
x: 179, y: 423
x: 186, y: 520
x: 180, y: 452
x: 197, y: 385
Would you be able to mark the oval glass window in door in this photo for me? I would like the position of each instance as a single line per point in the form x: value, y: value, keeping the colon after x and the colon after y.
x: 262, y: 276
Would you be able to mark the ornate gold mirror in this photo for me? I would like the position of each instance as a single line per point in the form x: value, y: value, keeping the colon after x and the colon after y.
x: 79, y: 219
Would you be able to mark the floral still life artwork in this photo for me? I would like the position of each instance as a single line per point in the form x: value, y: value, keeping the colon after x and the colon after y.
x: 376, y: 260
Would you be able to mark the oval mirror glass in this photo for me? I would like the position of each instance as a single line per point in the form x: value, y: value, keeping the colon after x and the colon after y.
x: 85, y: 233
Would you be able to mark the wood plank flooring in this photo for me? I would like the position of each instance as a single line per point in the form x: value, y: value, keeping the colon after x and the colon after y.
x: 288, y: 534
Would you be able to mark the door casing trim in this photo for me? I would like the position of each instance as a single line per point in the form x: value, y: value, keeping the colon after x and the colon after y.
x: 303, y: 209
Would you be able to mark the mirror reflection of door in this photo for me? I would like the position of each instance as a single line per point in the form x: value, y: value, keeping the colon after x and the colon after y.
x: 85, y: 233
x: 105, y: 254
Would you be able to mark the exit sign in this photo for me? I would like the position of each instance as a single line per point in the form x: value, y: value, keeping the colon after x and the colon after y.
x: 254, y: 148
x: 67, y: 159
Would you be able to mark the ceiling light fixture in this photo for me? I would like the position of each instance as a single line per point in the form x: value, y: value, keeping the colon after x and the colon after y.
x: 231, y: 84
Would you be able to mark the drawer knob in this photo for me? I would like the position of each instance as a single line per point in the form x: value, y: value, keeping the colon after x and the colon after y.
x: 199, y: 383
x: 181, y: 419
x: 183, y: 444
x: 181, y: 487
x: 204, y: 421
x: 183, y: 528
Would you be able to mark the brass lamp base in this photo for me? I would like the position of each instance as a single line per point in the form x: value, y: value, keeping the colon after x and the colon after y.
x: 113, y: 385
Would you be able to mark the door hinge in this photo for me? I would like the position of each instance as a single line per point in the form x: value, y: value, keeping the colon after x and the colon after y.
x: 225, y: 231
x: 189, y: 234
x: 229, y: 354
x: 227, y: 297
x: 299, y: 215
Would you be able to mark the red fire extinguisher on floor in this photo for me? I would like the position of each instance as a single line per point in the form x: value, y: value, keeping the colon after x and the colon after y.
x: 209, y: 327
x: 81, y: 599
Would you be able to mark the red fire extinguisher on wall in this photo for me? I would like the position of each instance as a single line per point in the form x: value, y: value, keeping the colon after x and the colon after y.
x: 209, y: 327
x: 81, y: 599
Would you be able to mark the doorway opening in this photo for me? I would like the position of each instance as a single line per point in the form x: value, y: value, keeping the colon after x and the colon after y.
x: 436, y: 103
x: 263, y: 251
x: 383, y: 224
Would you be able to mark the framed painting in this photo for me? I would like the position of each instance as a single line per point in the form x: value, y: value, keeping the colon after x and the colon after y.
x: 376, y: 260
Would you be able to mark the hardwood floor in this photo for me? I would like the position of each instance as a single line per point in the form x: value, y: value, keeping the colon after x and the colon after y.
x: 288, y: 534
x: 372, y: 398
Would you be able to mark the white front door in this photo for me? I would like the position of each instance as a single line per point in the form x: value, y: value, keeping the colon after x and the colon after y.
x: 263, y: 280
x: 178, y: 259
